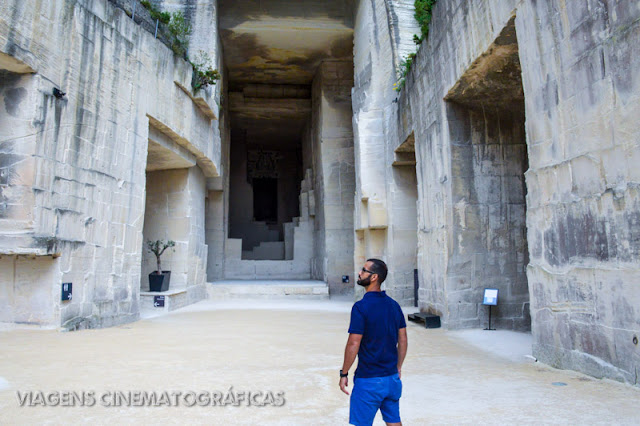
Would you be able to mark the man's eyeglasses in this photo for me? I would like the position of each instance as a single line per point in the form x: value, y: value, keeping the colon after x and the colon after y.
x: 366, y: 270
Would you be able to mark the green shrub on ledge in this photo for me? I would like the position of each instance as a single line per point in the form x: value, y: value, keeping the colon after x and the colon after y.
x: 422, y: 14
x: 203, y: 72
x: 403, y: 70
x: 156, y: 14
x: 423, y: 10
x: 180, y: 28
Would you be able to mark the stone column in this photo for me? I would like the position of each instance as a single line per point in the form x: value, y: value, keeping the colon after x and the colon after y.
x: 383, y: 37
x: 334, y: 173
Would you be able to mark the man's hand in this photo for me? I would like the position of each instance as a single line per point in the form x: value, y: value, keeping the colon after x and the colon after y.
x: 402, y: 348
x: 350, y: 352
x: 344, y: 383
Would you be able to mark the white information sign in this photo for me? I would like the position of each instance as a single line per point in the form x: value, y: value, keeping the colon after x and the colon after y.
x: 490, y: 296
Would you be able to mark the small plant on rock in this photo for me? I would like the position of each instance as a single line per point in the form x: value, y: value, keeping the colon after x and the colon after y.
x: 423, y: 16
x: 403, y: 71
x: 163, y: 17
x: 180, y: 28
x: 203, y: 73
x: 423, y: 10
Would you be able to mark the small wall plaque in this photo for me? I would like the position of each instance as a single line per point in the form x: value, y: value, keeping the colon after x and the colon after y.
x: 345, y: 278
x: 158, y: 301
x: 66, y: 291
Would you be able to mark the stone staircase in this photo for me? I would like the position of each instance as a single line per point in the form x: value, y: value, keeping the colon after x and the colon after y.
x: 271, y: 260
x: 257, y: 232
x: 266, y: 250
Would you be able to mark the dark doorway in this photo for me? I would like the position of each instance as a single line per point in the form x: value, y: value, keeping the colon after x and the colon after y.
x: 265, y: 199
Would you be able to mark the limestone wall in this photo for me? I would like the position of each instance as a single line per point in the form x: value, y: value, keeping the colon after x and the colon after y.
x: 402, y: 27
x: 26, y: 294
x: 450, y: 283
x: 216, y: 205
x: 583, y: 100
x: 175, y: 211
x: 215, y: 234
x: 202, y: 15
x: 373, y: 72
x: 488, y: 161
x: 88, y: 150
x: 386, y: 195
x: 570, y: 65
x: 334, y: 174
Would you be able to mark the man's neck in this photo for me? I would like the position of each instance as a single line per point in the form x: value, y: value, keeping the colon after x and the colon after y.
x: 373, y: 288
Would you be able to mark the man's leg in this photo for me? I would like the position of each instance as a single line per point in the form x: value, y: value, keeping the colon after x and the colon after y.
x: 390, y: 406
x: 366, y: 397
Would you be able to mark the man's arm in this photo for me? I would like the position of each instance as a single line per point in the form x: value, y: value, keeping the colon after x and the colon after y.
x: 350, y: 352
x: 402, y: 348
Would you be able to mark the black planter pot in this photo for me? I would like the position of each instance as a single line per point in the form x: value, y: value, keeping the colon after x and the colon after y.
x: 159, y: 282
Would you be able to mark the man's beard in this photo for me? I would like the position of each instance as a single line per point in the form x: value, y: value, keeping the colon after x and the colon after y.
x: 364, y: 282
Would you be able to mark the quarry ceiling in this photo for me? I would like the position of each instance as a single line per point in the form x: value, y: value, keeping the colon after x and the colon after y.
x: 283, y: 42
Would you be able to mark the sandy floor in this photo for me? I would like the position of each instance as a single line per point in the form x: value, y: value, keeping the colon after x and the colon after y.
x: 468, y: 377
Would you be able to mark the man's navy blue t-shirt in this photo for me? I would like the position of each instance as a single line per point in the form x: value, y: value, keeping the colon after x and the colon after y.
x: 378, y: 318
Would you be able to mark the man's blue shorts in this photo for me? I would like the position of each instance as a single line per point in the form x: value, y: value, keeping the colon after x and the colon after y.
x: 375, y: 393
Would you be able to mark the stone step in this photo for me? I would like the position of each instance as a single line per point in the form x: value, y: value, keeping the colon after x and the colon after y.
x: 267, y: 250
x: 266, y: 270
x: 173, y: 299
x: 268, y: 289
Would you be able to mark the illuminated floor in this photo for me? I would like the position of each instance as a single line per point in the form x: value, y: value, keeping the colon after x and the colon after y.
x: 293, y: 347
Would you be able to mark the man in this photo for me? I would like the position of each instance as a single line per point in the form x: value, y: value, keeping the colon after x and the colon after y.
x: 378, y: 335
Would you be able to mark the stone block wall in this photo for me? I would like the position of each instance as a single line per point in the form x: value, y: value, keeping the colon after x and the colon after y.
x: 488, y: 161
x: 448, y: 249
x: 403, y: 234
x: 581, y: 198
x: 373, y: 71
x: 402, y: 26
x: 385, y: 201
x: 89, y: 148
x: 26, y: 293
x: 582, y: 104
x: 217, y: 203
x: 166, y: 218
x: 19, y: 102
x: 215, y: 235
x: 175, y: 211
x: 334, y: 174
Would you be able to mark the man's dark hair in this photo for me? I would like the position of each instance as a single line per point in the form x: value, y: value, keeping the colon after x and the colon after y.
x: 380, y: 268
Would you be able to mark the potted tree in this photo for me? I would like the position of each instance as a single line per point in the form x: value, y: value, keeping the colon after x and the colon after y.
x: 159, y: 279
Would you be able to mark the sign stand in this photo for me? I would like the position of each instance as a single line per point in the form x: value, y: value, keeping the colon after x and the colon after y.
x: 489, y: 328
x: 490, y: 299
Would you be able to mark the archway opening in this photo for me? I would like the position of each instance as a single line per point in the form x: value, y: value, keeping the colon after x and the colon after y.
x: 486, y: 119
x: 291, y: 174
